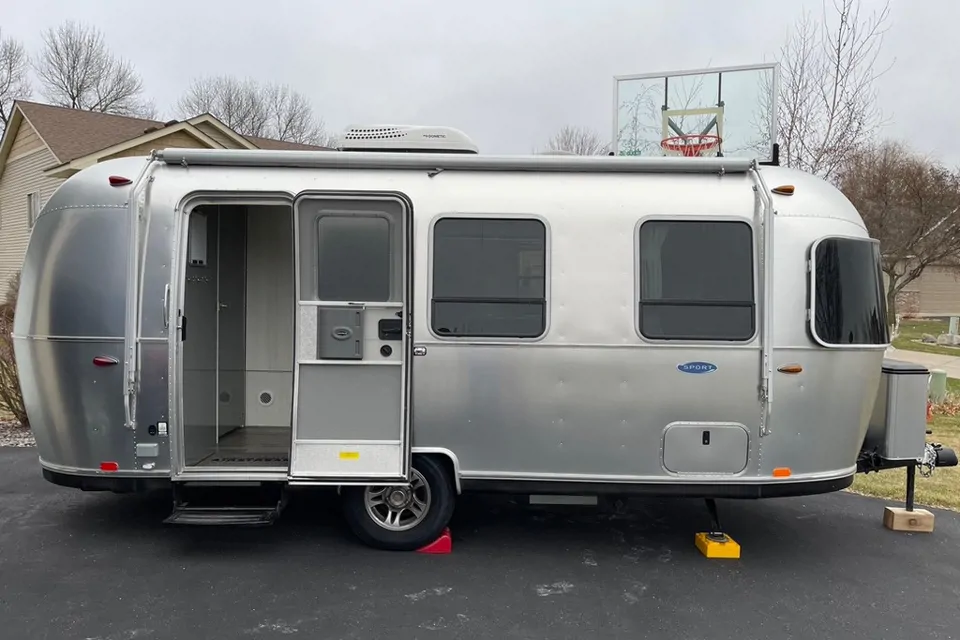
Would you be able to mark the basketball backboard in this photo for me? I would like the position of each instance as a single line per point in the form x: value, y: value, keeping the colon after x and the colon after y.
x: 722, y: 111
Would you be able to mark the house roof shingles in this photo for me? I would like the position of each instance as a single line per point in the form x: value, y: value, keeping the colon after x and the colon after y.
x: 73, y: 133
x: 282, y: 145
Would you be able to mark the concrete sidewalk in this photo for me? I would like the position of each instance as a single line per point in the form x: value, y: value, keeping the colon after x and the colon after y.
x: 950, y: 364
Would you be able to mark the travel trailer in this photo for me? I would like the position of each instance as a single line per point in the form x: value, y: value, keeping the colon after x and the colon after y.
x: 410, y: 326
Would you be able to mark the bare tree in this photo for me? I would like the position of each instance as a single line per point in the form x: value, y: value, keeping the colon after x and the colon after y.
x: 77, y: 70
x: 238, y: 103
x: 910, y: 204
x: 827, y: 106
x: 293, y: 119
x: 268, y: 111
x: 11, y: 395
x: 578, y: 140
x: 14, y: 78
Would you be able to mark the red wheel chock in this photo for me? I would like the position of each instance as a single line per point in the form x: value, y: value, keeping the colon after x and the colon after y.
x: 443, y: 544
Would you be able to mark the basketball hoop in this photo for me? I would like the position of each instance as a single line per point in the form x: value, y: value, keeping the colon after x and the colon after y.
x: 690, y: 145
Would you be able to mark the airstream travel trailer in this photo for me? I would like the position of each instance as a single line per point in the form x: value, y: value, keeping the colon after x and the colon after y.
x: 410, y: 326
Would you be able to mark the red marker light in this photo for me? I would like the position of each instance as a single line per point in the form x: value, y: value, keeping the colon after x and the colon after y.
x: 119, y: 181
x: 109, y: 466
x: 105, y: 361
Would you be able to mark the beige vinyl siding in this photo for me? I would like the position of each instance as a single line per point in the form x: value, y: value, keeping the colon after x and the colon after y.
x: 218, y: 135
x: 26, y: 141
x: 22, y: 176
x: 936, y: 291
x: 939, y: 289
x: 910, y: 286
x: 176, y: 139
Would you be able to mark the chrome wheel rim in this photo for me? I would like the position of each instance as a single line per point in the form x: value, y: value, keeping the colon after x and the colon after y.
x: 397, y: 508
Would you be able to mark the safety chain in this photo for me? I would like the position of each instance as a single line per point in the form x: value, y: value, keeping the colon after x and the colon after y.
x: 929, y: 459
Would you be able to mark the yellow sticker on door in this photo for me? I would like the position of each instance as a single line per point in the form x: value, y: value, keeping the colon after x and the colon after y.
x: 349, y: 455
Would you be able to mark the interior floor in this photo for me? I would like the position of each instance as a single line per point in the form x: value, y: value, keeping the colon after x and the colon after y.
x: 247, y: 447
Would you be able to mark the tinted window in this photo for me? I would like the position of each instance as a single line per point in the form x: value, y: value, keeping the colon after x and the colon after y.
x: 489, y: 278
x: 353, y: 258
x: 696, y: 280
x: 849, y: 305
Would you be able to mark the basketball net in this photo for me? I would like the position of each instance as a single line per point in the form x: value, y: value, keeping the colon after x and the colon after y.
x: 690, y: 145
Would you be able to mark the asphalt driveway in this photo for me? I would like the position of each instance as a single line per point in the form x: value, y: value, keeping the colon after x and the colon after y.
x: 104, y: 567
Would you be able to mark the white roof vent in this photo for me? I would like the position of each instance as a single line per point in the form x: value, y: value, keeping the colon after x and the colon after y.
x: 408, y: 138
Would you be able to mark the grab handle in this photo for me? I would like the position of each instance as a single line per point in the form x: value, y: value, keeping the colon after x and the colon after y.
x: 166, y: 306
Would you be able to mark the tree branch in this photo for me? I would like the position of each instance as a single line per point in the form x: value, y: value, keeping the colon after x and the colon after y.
x: 76, y: 70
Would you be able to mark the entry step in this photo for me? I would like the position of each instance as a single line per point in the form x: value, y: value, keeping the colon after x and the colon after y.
x: 223, y: 516
x: 237, y: 506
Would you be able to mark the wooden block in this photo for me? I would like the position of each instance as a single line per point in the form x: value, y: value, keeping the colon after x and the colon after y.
x: 899, y: 519
x: 717, y: 549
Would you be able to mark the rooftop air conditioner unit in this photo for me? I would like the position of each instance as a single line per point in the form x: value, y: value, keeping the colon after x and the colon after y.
x: 405, y: 138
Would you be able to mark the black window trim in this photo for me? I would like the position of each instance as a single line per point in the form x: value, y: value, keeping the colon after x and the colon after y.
x: 545, y: 301
x: 754, y: 275
x: 812, y: 294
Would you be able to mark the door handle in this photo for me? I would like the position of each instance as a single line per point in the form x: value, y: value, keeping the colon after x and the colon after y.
x: 390, y: 329
x: 166, y: 306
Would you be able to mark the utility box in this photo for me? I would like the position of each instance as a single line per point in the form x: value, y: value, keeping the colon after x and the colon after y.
x: 898, y: 425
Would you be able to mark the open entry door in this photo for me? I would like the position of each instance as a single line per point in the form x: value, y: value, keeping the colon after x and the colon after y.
x: 352, y: 374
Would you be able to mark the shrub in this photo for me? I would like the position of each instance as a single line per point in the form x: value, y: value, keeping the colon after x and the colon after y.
x: 11, y: 397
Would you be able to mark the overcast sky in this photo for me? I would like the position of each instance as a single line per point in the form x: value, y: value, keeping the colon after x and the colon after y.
x: 507, y: 72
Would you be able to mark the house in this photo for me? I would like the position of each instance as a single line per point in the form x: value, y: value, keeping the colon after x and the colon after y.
x: 935, y: 293
x: 43, y: 145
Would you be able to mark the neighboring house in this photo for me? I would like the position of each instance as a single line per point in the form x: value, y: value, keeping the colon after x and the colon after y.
x: 43, y: 145
x: 935, y: 293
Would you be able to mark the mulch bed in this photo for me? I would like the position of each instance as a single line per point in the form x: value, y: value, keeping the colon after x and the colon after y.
x: 14, y: 435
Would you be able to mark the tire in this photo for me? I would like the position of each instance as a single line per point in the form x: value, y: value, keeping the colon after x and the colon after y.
x: 419, y: 533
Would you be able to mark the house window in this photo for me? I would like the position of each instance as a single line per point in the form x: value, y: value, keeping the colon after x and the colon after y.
x: 489, y: 278
x: 696, y: 280
x: 33, y: 208
x: 848, y: 301
x: 353, y: 258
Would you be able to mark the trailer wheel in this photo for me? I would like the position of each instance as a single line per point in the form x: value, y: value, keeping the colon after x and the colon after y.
x: 402, y: 518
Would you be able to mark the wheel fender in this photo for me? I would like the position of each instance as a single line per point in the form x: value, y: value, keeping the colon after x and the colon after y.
x: 448, y: 457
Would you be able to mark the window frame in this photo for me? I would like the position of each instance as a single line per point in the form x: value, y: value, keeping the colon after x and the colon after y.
x: 812, y: 294
x: 754, y: 275
x: 33, y: 208
x: 431, y: 257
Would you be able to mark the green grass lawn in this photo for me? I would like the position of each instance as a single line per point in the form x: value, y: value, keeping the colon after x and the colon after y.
x: 942, y: 489
x: 912, y: 330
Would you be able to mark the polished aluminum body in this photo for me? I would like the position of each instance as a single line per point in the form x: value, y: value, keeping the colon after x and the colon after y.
x: 591, y: 401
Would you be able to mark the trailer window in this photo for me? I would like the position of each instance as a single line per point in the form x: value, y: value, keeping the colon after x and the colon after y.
x: 489, y: 278
x: 848, y: 302
x: 696, y: 280
x: 353, y: 258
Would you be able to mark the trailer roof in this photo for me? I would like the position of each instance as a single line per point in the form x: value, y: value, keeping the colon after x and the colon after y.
x: 449, y: 161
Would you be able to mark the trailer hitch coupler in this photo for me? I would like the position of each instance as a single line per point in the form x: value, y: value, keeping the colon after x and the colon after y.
x: 946, y: 457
